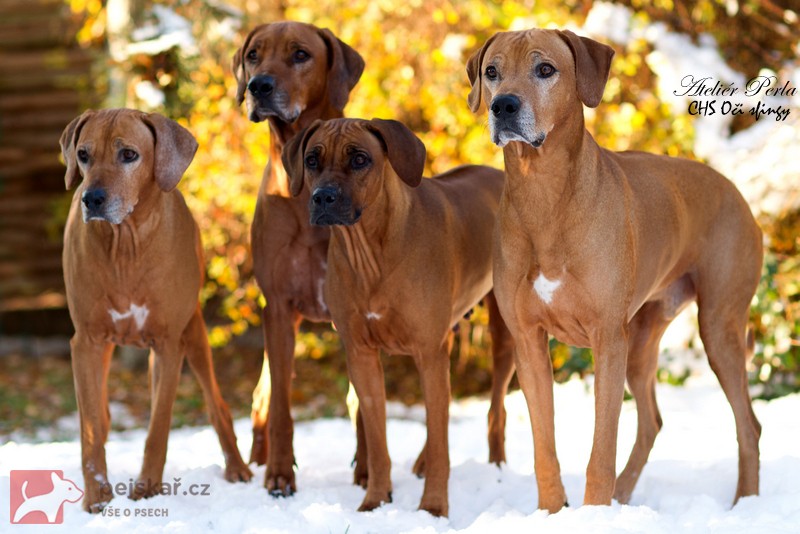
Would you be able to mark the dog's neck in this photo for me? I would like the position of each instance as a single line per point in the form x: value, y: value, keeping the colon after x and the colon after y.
x: 545, y: 183
x: 276, y: 181
x: 368, y: 244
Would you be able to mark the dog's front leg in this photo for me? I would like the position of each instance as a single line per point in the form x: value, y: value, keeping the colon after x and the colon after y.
x: 166, y: 360
x: 366, y: 374
x: 280, y: 325
x: 434, y: 368
x: 90, y: 365
x: 535, y: 373
x: 610, y: 357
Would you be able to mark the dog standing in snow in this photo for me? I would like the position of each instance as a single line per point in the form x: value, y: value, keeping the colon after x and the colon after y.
x: 133, y: 269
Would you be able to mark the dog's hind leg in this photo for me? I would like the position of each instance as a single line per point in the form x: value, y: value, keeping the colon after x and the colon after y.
x: 198, y: 354
x: 724, y: 333
x: 645, y: 331
x: 502, y: 371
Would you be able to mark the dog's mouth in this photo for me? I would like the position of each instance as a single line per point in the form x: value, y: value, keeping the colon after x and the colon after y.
x: 502, y: 136
x: 266, y: 109
x: 327, y: 218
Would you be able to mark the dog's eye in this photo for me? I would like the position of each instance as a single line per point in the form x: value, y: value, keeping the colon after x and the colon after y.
x: 359, y: 160
x: 126, y: 155
x: 83, y: 155
x: 252, y: 55
x: 312, y: 161
x: 545, y: 70
x: 300, y: 56
x: 491, y: 72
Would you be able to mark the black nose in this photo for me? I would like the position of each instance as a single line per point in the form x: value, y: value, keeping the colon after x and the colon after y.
x: 325, y: 196
x: 262, y: 85
x: 94, y: 199
x: 505, y: 106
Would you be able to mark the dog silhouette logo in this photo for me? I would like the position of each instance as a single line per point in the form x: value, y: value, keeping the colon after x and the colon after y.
x: 38, y: 496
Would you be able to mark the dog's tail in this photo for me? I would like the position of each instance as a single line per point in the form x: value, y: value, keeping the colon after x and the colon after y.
x: 750, y: 343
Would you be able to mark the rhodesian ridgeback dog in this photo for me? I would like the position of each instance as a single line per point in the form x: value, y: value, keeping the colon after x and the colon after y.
x: 292, y: 74
x: 289, y: 74
x: 133, y: 269
x: 407, y: 259
x: 603, y: 249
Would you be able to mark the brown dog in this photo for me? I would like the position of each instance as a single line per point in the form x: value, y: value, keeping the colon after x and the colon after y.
x: 407, y: 259
x: 133, y: 269
x: 289, y: 74
x: 603, y: 249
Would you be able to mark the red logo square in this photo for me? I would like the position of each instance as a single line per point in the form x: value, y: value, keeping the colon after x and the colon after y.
x: 38, y: 496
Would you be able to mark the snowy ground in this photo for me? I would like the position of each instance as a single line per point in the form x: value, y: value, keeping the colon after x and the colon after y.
x: 687, y: 486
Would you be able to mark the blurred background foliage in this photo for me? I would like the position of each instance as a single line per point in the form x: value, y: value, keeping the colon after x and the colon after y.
x: 415, y: 54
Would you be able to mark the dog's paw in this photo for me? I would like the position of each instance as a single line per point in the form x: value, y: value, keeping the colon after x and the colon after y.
x: 94, y: 506
x: 375, y: 500
x: 145, y: 488
x: 280, y: 485
x: 436, y: 509
x: 237, y: 472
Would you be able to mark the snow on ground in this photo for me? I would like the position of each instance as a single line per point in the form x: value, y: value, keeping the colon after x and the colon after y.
x: 687, y: 486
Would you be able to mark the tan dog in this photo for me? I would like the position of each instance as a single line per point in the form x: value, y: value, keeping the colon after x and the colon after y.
x: 133, y: 269
x: 408, y: 258
x: 603, y: 249
x: 289, y: 74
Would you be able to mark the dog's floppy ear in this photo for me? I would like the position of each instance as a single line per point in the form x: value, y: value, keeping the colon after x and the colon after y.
x: 68, y: 141
x: 345, y: 69
x: 474, y: 72
x: 405, y: 151
x: 293, y: 157
x: 592, y: 65
x: 173, y: 152
x: 238, y: 66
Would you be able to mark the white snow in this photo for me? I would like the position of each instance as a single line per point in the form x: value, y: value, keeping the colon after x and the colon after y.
x: 687, y: 486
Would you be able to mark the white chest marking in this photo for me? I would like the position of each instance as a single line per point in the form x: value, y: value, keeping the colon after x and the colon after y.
x: 372, y: 316
x: 545, y: 288
x: 138, y: 313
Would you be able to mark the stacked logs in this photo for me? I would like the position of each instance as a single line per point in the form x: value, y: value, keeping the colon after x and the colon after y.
x: 45, y: 81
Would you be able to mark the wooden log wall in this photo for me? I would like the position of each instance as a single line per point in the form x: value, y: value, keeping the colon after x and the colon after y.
x: 45, y: 81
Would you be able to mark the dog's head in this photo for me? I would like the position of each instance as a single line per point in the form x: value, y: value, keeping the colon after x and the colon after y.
x: 531, y: 81
x: 345, y: 163
x: 284, y: 68
x: 120, y: 154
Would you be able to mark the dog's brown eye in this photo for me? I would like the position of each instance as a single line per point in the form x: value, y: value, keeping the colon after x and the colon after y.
x: 127, y: 155
x: 491, y: 72
x: 252, y: 55
x: 300, y: 56
x: 83, y: 155
x: 545, y: 70
x: 312, y: 162
x: 359, y: 161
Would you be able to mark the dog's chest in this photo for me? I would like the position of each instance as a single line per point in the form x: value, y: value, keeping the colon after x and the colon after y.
x: 130, y: 322
x: 557, y: 302
x: 385, y: 327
